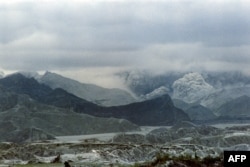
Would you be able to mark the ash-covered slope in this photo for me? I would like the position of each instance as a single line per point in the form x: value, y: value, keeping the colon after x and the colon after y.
x: 155, y: 93
x: 159, y: 111
x: 27, y: 120
x: 236, y: 108
x: 226, y: 86
x: 222, y: 96
x: 90, y: 92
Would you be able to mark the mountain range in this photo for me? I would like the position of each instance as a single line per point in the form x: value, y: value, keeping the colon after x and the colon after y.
x: 27, y: 103
x: 208, y: 89
x: 196, y: 97
x: 25, y: 119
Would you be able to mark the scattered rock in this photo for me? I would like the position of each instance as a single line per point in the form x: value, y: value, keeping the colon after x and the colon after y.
x: 56, y: 159
x: 66, y: 164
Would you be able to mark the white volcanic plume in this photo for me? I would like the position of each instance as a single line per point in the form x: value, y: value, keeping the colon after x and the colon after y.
x: 191, y: 87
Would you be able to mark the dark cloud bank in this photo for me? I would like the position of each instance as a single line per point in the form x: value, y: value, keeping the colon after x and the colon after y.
x: 117, y: 35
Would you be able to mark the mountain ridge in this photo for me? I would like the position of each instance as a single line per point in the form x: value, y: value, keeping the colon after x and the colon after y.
x: 96, y: 94
x: 29, y: 120
x: 159, y: 111
x: 236, y: 108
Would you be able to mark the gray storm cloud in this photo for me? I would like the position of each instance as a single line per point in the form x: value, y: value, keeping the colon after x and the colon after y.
x: 154, y: 35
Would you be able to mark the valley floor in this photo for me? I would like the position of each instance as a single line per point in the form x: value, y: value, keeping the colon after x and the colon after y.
x: 184, y: 144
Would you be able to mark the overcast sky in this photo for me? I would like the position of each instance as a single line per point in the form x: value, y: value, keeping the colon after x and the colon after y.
x: 89, y: 38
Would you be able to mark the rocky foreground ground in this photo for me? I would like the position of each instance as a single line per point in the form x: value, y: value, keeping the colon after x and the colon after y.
x: 185, y: 144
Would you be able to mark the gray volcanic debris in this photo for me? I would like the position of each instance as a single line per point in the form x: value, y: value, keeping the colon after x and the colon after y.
x: 174, y: 143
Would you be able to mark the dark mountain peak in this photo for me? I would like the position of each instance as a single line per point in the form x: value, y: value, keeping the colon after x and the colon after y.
x: 22, y: 85
x: 17, y: 79
x: 13, y: 77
